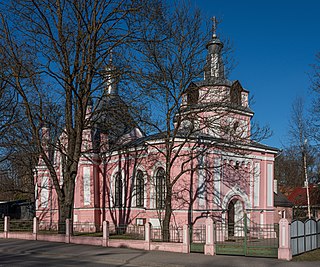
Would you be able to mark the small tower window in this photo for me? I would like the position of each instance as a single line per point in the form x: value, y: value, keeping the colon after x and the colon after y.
x: 235, y: 93
x: 193, y: 96
x: 237, y: 165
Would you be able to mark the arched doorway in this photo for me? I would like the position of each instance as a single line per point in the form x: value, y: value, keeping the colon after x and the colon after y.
x: 235, y: 218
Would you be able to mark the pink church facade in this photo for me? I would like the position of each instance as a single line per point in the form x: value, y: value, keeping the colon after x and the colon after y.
x: 218, y: 175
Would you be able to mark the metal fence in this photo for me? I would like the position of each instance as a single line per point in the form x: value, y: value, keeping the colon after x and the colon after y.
x: 87, y: 228
x: 198, y: 234
x: 247, y: 238
x: 305, y: 236
x: 52, y: 227
x: 21, y: 226
x: 130, y: 231
x: 173, y: 234
x: 45, y: 227
x: 197, y: 238
x: 1, y: 225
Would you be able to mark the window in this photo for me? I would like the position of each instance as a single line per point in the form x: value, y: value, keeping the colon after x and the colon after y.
x: 140, y: 221
x: 235, y: 93
x: 160, y: 188
x: 139, y: 189
x: 192, y: 96
x: 235, y: 126
x: 118, y: 191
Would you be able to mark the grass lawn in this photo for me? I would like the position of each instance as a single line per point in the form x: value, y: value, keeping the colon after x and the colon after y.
x: 308, y: 256
x: 98, y: 234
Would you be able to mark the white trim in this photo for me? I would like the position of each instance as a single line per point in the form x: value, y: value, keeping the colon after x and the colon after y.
x: 240, y: 157
x: 256, y: 184
x: 201, y: 182
x: 217, y: 182
x: 261, y: 218
x: 36, y: 195
x: 124, y: 158
x: 269, y: 185
x: 43, y: 168
x: 86, y: 179
x: 235, y: 191
x: 44, y: 192
x: 84, y: 209
x: 251, y: 185
x: 245, y: 148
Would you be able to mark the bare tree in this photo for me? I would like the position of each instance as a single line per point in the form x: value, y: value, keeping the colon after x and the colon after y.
x: 315, y: 80
x: 56, y: 51
x: 8, y: 114
x: 10, y: 118
x: 299, y: 155
x: 186, y: 122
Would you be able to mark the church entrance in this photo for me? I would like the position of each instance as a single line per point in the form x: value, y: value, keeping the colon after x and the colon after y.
x: 241, y: 236
x: 235, y: 218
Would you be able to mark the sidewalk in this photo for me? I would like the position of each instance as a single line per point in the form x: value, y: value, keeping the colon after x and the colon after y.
x: 14, y: 252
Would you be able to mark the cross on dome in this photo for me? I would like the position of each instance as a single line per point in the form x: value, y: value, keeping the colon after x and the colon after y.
x: 214, y: 26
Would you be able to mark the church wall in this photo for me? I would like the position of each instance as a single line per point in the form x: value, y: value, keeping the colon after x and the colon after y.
x: 230, y: 182
x: 231, y: 177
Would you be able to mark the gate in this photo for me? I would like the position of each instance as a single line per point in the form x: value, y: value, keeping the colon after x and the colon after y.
x: 247, y: 238
x: 197, y: 238
x: 305, y: 236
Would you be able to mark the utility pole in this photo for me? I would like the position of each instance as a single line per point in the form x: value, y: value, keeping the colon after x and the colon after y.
x: 306, y: 183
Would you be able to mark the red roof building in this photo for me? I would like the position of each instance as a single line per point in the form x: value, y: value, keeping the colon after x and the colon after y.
x: 298, y: 196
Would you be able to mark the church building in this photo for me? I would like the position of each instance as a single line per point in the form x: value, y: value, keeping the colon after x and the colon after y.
x: 216, y: 169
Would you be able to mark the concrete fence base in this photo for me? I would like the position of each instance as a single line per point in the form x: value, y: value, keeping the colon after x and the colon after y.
x: 284, y: 251
x: 105, y: 241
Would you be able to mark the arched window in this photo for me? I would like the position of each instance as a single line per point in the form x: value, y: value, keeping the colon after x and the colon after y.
x: 160, y: 188
x: 139, y: 189
x: 118, y: 190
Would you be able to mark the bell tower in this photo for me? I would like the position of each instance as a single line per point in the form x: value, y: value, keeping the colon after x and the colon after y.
x: 216, y: 106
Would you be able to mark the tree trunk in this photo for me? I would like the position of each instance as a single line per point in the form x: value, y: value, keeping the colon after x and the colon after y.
x: 167, y: 216
x: 65, y: 204
x: 64, y: 213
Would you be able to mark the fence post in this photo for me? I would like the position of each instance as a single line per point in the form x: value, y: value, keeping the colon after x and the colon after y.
x: 284, y: 250
x: 6, y: 226
x: 186, y: 239
x: 35, y: 228
x: 147, y: 235
x: 209, y: 248
x: 68, y: 231
x: 105, y: 238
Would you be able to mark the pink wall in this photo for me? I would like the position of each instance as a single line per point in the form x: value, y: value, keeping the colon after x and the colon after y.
x: 232, y: 179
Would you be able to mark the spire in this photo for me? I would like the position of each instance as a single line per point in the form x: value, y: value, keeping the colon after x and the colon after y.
x: 111, y: 78
x: 214, y: 69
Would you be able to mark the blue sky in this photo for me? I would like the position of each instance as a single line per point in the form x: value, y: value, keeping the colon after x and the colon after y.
x: 275, y: 43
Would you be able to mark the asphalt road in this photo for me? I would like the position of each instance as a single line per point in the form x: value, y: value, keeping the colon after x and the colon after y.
x: 14, y: 252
